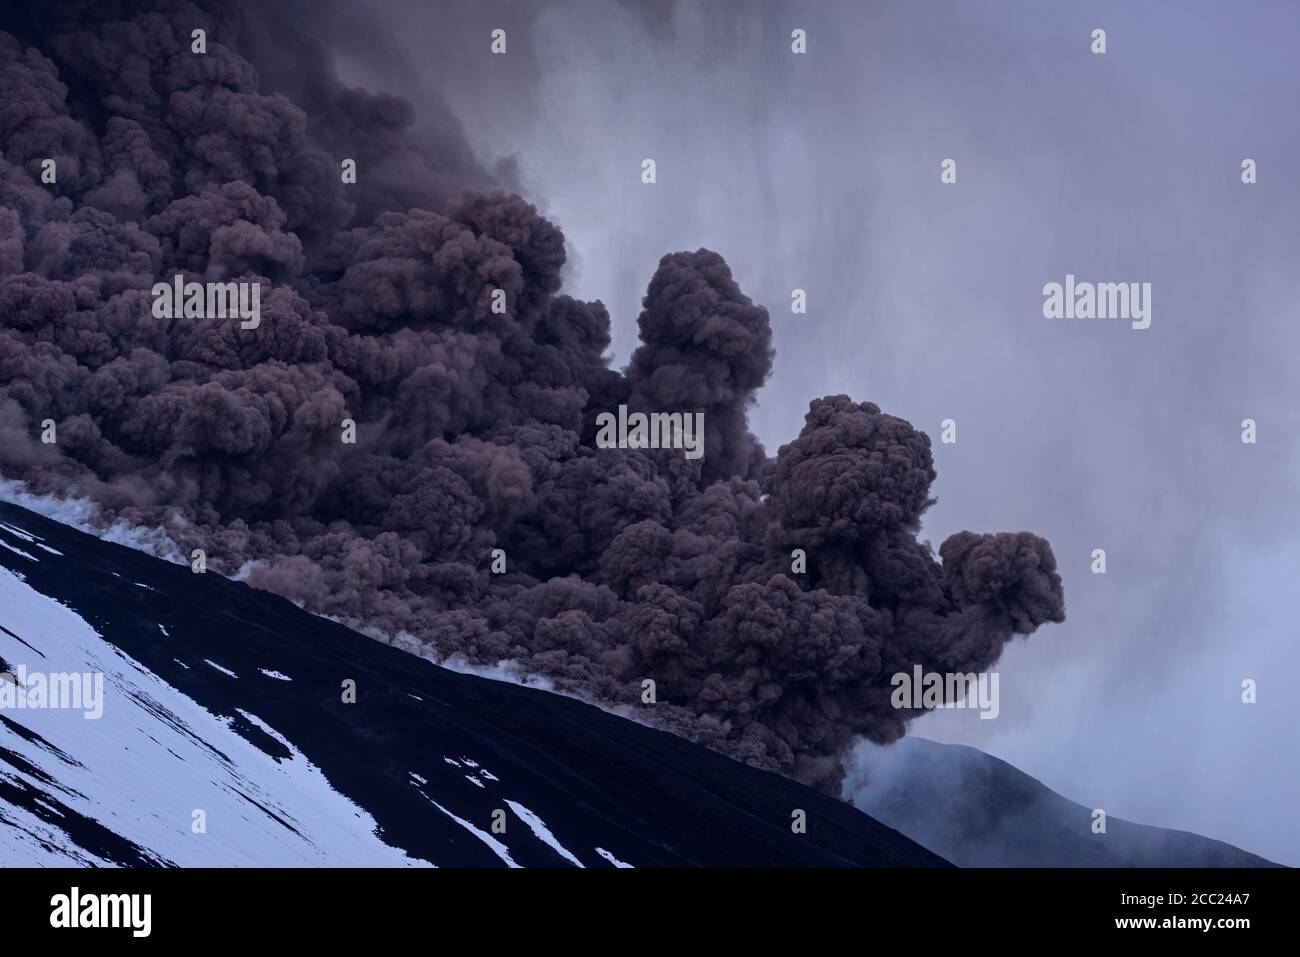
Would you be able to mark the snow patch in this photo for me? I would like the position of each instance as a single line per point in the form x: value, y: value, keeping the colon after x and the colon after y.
x: 611, y: 858
x: 17, y: 551
x: 225, y: 671
x: 155, y: 756
x: 499, y: 849
x: 539, y: 828
x: 29, y: 538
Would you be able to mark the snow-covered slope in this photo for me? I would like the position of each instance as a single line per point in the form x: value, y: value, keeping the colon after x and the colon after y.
x: 224, y: 736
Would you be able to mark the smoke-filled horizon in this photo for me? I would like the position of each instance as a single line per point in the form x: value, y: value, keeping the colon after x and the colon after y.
x: 475, y: 425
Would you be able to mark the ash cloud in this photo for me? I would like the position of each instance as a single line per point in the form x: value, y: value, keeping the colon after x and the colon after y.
x: 475, y: 430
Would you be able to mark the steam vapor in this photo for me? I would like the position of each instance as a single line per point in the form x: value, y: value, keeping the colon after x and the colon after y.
x: 475, y: 431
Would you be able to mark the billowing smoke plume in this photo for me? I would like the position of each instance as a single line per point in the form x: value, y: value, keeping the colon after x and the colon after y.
x: 475, y: 429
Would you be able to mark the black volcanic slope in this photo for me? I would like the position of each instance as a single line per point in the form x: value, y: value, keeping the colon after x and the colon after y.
x: 979, y: 811
x: 596, y: 780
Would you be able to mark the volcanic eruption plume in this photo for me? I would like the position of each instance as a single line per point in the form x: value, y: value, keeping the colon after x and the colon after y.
x: 474, y: 426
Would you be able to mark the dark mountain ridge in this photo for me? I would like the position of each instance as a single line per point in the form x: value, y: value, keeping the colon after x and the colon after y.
x: 979, y: 811
x: 228, y: 701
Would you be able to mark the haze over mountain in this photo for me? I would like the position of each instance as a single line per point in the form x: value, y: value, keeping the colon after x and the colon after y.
x: 979, y: 811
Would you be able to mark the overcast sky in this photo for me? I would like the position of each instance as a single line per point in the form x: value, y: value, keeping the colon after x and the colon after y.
x: 822, y: 172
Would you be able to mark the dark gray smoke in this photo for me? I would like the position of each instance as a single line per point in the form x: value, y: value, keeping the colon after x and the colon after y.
x: 475, y: 430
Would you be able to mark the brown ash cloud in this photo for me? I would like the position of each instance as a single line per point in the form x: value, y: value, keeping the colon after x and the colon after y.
x: 475, y: 430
